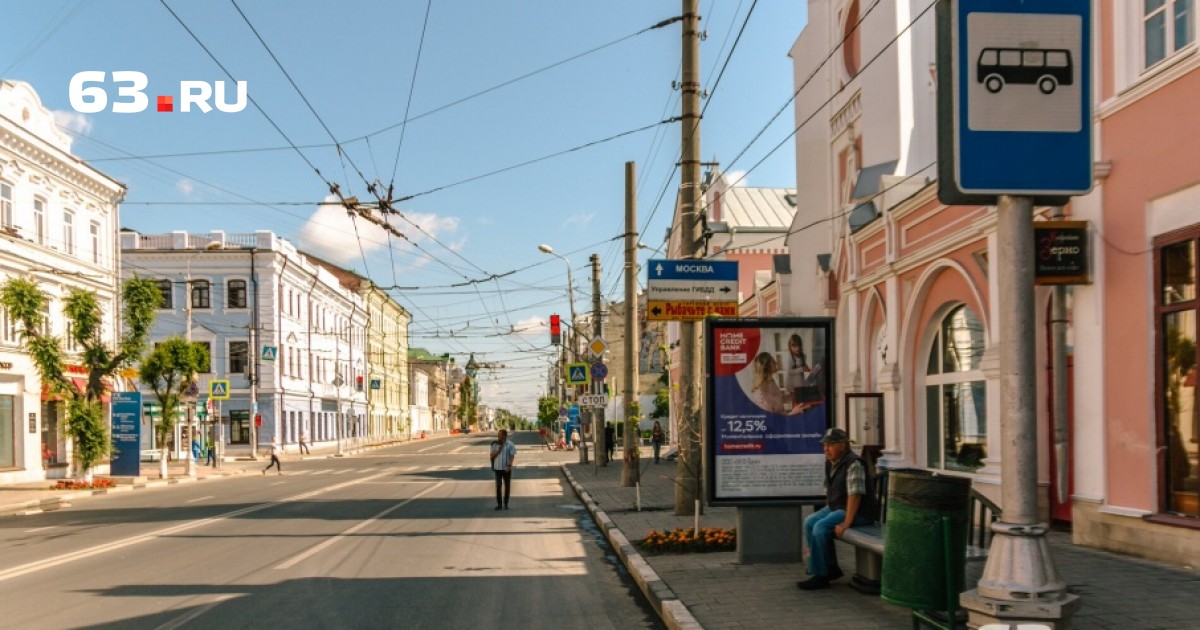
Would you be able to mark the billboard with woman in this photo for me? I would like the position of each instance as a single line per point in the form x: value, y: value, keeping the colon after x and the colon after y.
x: 769, y: 388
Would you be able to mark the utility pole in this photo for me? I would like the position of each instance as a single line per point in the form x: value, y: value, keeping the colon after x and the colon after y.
x: 687, y: 480
x: 252, y: 360
x: 187, y: 309
x: 630, y: 473
x: 599, y: 438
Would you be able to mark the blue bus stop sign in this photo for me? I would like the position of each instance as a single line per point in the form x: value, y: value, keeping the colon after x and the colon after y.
x: 1021, y: 97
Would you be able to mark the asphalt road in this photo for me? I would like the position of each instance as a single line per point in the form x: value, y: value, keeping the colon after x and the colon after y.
x: 405, y: 537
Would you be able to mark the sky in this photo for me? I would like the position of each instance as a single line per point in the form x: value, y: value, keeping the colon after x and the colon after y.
x: 502, y: 125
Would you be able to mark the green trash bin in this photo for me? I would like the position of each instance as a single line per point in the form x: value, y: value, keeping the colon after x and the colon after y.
x: 915, y: 545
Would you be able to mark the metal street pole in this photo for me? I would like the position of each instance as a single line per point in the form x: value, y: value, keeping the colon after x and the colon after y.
x: 1019, y: 581
x: 338, y: 415
x: 687, y: 481
x: 190, y: 469
x: 631, y: 471
x: 599, y: 439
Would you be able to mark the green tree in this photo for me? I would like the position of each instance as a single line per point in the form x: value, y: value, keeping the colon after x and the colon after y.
x: 547, y: 411
x: 28, y: 305
x: 169, y: 370
x: 662, y: 404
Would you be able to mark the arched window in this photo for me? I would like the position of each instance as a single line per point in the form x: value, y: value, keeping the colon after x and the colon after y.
x: 956, y: 394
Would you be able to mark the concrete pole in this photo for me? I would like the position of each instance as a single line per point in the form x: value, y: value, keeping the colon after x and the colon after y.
x: 598, y: 436
x: 190, y: 470
x: 1020, y: 582
x: 630, y: 473
x: 688, y: 471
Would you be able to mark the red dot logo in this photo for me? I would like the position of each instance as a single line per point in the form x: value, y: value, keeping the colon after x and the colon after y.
x: 166, y: 103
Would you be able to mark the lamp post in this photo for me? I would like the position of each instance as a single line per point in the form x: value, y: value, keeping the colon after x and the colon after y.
x: 546, y: 249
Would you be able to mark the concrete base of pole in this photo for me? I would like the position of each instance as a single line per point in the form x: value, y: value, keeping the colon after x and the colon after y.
x: 1020, y: 583
x: 767, y: 535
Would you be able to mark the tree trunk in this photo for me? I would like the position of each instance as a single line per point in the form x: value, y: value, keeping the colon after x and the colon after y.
x: 162, y: 463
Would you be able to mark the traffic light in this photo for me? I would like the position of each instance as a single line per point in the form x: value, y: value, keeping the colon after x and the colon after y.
x: 358, y: 383
x: 555, y: 330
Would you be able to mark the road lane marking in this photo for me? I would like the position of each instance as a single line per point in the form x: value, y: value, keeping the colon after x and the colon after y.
x: 430, y: 448
x: 182, y: 620
x: 459, y: 450
x: 200, y: 499
x: 318, y: 548
x: 54, y: 561
x: 40, y: 529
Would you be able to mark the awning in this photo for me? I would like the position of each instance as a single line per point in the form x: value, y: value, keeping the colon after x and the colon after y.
x: 80, y: 384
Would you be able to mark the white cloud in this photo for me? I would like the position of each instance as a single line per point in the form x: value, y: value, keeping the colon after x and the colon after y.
x: 532, y: 327
x: 736, y: 178
x: 73, y: 121
x: 579, y: 219
x: 185, y: 186
x: 329, y: 234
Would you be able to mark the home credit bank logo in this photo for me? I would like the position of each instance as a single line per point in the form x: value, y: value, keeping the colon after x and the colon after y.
x: 89, y: 93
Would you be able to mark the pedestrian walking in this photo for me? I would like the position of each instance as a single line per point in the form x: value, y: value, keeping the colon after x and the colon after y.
x: 656, y: 439
x: 503, y: 454
x: 304, y: 443
x: 196, y: 449
x: 610, y: 439
x: 211, y: 452
x: 276, y: 451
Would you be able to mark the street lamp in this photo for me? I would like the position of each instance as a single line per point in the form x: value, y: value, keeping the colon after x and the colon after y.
x: 546, y: 249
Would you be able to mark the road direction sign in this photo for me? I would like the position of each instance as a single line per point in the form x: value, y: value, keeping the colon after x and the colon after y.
x: 578, y: 374
x: 269, y: 353
x: 598, y: 346
x: 1020, y: 98
x: 658, y: 311
x: 599, y: 371
x: 695, y: 290
x: 218, y: 389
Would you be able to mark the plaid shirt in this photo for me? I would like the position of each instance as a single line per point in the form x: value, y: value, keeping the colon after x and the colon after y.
x: 856, y: 479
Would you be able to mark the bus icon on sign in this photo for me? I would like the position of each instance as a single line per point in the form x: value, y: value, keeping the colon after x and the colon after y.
x: 1047, y: 68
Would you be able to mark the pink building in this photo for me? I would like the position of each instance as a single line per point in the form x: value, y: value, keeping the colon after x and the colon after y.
x: 911, y: 281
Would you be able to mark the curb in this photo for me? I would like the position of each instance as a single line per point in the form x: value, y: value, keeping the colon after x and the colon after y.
x: 37, y: 506
x: 670, y: 609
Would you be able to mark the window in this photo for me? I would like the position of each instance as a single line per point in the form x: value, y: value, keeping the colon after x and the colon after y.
x: 1176, y: 311
x: 6, y: 208
x: 237, y: 294
x: 239, y: 354
x: 8, y: 328
x: 201, y: 294
x: 39, y: 221
x: 69, y: 232
x: 94, y: 230
x: 1166, y: 28
x: 165, y: 290
x: 956, y: 394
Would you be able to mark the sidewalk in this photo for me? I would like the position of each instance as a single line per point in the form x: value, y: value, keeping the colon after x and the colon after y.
x: 710, y: 590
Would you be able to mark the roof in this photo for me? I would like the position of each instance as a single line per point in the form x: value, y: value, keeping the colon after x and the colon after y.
x: 869, y: 179
x: 757, y: 207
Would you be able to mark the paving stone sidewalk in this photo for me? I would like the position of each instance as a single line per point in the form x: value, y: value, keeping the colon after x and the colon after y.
x: 713, y: 591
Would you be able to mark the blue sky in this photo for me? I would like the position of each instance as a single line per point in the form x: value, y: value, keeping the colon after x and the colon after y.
x: 354, y: 62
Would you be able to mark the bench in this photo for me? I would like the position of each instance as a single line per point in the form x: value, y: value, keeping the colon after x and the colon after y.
x: 868, y: 540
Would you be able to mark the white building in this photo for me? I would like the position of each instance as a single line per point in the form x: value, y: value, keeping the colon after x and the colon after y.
x: 58, y: 217
x: 285, y: 333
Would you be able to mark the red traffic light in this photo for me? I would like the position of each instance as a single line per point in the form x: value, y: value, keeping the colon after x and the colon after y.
x: 358, y: 383
x: 258, y: 419
x: 555, y: 330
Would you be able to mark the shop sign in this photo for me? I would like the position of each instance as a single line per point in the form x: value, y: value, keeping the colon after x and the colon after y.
x: 1061, y: 252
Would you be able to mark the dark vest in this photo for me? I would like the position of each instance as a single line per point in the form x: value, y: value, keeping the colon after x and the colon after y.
x: 835, y: 486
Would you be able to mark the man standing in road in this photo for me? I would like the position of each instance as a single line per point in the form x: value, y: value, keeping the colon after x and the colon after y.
x: 848, y: 502
x: 304, y: 443
x: 503, y: 454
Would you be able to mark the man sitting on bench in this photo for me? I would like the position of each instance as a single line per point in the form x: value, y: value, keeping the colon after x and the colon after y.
x: 848, y: 502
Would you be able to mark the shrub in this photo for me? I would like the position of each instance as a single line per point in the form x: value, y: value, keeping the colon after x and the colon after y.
x: 73, y: 484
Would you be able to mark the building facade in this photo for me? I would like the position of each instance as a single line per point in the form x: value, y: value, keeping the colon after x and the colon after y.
x: 58, y: 219
x: 284, y: 332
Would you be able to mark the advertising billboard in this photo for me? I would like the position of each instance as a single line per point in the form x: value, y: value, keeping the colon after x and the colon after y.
x: 770, y: 398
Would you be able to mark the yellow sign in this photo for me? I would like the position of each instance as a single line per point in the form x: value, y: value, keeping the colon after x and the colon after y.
x: 598, y: 346
x: 218, y: 389
x: 578, y: 374
x: 682, y: 311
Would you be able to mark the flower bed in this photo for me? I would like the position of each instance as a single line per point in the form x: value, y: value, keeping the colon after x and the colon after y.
x: 684, y: 541
x: 73, y: 484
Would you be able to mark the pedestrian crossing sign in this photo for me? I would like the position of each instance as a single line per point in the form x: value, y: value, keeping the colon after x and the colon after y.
x: 218, y: 390
x: 269, y: 353
x: 578, y: 374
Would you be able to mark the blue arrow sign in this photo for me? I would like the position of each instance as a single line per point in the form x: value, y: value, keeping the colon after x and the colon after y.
x: 695, y: 270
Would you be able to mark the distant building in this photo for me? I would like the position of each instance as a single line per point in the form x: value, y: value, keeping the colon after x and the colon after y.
x: 285, y: 333
x: 58, y: 220
x: 432, y: 391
